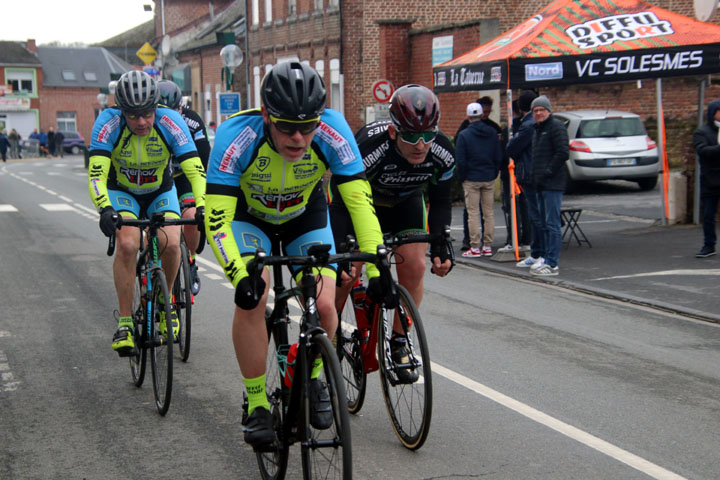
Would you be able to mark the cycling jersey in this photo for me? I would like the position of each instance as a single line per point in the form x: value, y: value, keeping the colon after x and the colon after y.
x: 248, y: 176
x: 198, y: 132
x: 394, y: 179
x: 121, y: 160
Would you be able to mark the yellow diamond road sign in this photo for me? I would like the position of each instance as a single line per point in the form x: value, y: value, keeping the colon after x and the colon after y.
x: 146, y: 53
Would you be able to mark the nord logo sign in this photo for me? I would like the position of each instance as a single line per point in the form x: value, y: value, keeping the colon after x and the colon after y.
x: 543, y: 71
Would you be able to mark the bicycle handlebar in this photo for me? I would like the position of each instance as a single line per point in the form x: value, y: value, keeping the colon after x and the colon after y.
x: 155, y: 220
x: 394, y: 241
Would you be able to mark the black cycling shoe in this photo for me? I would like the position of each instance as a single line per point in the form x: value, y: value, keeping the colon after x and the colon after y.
x: 194, y: 278
x: 401, y: 355
x: 321, y: 415
x: 259, y: 432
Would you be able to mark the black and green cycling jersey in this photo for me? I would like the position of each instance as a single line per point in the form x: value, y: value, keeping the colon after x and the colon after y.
x: 121, y: 160
x: 247, y: 175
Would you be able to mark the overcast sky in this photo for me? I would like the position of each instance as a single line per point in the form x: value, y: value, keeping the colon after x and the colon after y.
x: 69, y: 21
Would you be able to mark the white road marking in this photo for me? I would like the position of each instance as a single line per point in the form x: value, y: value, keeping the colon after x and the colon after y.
x: 7, y: 380
x: 569, y: 431
x: 57, y: 207
x: 7, y: 208
x: 689, y: 272
x: 212, y: 276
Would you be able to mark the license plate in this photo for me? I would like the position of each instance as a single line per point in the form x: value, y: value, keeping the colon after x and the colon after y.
x: 619, y: 162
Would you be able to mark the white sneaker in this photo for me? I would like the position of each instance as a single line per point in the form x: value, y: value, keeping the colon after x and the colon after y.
x: 506, y: 248
x: 528, y: 262
x: 539, y: 264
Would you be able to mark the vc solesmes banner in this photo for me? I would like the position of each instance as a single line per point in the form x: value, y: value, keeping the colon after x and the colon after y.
x: 610, y: 48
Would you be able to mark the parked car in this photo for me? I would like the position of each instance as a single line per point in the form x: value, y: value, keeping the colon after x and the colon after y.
x: 73, y: 142
x: 610, y: 145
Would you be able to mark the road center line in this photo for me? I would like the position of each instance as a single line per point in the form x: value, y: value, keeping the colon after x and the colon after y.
x: 569, y: 431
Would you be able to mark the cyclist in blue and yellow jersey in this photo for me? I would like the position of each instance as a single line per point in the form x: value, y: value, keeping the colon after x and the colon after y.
x: 409, y: 164
x: 129, y: 174
x: 265, y: 179
x: 171, y: 97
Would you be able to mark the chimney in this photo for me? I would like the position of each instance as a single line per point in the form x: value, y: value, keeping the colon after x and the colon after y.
x: 31, y: 45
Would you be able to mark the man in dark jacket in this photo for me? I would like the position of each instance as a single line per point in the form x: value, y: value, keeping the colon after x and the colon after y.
x: 550, y: 151
x: 519, y: 148
x: 478, y: 154
x: 705, y: 141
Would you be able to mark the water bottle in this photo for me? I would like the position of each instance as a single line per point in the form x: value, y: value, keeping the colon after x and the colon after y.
x: 290, y: 365
x: 360, y: 306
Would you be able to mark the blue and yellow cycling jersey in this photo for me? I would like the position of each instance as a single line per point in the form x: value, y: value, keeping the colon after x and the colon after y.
x: 121, y: 160
x: 246, y: 174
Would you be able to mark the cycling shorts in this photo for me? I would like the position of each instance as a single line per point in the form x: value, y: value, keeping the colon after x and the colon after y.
x: 410, y: 215
x: 142, y: 206
x: 295, y: 236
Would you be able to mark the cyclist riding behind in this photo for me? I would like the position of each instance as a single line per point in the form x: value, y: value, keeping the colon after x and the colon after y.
x: 264, y: 183
x: 129, y: 175
x: 404, y: 157
x: 171, y: 97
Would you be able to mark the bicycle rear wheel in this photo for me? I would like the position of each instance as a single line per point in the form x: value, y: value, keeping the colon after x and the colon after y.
x: 273, y: 463
x: 408, y: 405
x: 183, y: 302
x: 139, y: 360
x: 349, y: 348
x: 327, y: 453
x: 161, y: 346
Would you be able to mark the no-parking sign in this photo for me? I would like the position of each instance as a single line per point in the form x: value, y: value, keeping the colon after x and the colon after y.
x: 382, y: 90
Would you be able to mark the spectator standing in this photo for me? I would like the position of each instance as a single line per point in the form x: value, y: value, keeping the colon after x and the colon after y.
x: 14, y: 139
x: 550, y: 151
x: 43, y: 138
x: 4, y: 144
x: 478, y: 154
x: 58, y: 142
x: 51, y: 141
x: 705, y: 141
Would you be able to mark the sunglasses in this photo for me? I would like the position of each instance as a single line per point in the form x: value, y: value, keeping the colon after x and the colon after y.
x: 414, y: 137
x: 289, y: 127
x: 146, y: 115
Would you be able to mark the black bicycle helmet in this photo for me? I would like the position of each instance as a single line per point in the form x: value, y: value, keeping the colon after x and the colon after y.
x: 414, y: 108
x: 293, y: 91
x: 170, y: 94
x: 136, y: 91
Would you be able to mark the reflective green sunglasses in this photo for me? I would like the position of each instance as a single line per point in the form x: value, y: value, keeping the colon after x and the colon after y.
x: 414, y: 137
x: 147, y: 114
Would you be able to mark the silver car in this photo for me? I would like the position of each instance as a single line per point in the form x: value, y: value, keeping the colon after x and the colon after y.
x: 610, y: 145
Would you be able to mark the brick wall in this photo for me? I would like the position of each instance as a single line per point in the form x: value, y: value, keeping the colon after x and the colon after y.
x: 81, y: 101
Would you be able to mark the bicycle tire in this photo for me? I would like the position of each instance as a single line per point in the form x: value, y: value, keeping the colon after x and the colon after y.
x: 161, y: 346
x: 409, y: 406
x: 273, y: 463
x: 183, y: 302
x: 349, y: 349
x: 327, y: 453
x: 139, y: 360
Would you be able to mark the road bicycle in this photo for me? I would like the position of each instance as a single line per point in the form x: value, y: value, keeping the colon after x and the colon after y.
x: 326, y: 453
x: 363, y: 345
x: 151, y: 302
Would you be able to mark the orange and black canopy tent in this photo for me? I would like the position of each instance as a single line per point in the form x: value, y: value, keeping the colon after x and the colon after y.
x: 572, y: 42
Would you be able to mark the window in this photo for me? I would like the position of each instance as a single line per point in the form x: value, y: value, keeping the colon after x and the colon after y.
x: 318, y: 4
x: 90, y: 76
x: 333, y: 3
x: 21, y: 81
x: 292, y: 8
x: 67, y: 121
x: 336, y: 88
x: 68, y: 75
x: 256, y: 86
x: 268, y: 11
x: 255, y: 12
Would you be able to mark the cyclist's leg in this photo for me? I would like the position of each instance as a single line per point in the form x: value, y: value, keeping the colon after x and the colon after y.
x: 185, y: 194
x: 342, y: 227
x: 167, y: 202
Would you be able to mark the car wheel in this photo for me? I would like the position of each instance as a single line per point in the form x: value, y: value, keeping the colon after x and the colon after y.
x: 647, y: 183
x: 75, y: 150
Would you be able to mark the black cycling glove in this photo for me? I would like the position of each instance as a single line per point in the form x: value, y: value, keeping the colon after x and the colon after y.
x: 200, y: 219
x: 380, y: 294
x: 248, y: 296
x: 443, y: 250
x: 109, y: 220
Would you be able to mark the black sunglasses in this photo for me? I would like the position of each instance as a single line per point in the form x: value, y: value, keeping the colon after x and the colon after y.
x: 289, y: 127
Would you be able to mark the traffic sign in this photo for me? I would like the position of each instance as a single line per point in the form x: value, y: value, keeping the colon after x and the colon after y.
x: 229, y: 103
x: 146, y: 53
x: 382, y: 90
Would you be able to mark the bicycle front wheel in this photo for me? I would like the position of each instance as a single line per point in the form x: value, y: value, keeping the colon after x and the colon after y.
x: 349, y: 348
x: 409, y: 405
x: 139, y: 360
x: 161, y: 343
x: 183, y: 302
x: 327, y: 452
x: 273, y: 463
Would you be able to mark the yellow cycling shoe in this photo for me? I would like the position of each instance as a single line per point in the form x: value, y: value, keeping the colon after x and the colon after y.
x: 173, y: 319
x: 123, y: 342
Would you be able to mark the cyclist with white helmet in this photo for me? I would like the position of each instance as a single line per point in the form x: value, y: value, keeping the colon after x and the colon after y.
x: 129, y: 175
x: 265, y: 180
x: 409, y: 163
x: 171, y: 97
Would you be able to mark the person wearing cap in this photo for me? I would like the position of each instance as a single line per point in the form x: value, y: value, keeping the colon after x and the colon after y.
x: 519, y: 148
x: 478, y: 154
x: 550, y: 151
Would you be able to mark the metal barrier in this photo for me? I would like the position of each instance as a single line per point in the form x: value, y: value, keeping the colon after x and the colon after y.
x: 30, y: 147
